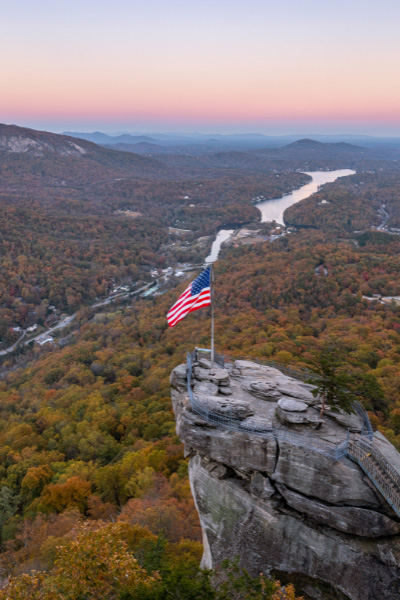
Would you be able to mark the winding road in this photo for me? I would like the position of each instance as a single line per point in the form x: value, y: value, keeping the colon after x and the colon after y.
x: 68, y: 320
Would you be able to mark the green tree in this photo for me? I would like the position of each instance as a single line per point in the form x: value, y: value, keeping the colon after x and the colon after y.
x: 341, y: 381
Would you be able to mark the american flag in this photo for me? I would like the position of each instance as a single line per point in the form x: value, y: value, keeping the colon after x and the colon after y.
x: 197, y: 295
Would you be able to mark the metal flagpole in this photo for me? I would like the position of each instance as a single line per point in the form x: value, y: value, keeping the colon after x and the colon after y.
x: 212, y: 314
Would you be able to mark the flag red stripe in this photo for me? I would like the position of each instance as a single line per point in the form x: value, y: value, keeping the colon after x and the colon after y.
x: 202, y: 299
x: 181, y: 300
x: 187, y: 304
x: 187, y: 301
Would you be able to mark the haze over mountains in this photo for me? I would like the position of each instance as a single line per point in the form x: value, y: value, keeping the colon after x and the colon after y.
x: 125, y: 157
x: 214, y: 142
x: 93, y: 172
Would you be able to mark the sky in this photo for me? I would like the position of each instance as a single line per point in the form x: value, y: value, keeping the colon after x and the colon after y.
x: 262, y: 66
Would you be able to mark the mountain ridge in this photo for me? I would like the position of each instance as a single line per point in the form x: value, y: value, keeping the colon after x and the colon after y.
x: 37, y: 144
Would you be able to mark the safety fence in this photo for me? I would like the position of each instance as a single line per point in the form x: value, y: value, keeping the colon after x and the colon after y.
x: 363, y: 451
x: 300, y: 374
x: 378, y: 469
x: 254, y: 425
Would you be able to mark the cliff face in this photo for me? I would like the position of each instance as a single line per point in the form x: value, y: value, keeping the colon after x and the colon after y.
x: 280, y: 502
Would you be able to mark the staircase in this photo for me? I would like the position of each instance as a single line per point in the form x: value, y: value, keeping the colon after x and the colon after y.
x: 363, y: 451
x: 382, y: 474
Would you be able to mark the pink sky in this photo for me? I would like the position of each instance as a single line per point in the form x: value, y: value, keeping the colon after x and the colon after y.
x: 185, y: 65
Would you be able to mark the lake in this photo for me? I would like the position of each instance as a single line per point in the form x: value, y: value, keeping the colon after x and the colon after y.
x: 272, y: 210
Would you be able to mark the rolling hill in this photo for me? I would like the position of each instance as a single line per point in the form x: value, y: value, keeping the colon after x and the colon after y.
x: 55, y: 152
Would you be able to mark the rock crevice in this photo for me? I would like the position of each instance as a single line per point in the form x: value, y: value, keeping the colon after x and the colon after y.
x: 279, y: 506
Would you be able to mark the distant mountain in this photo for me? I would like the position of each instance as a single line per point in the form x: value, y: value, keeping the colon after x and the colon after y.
x: 132, y: 139
x: 139, y: 148
x: 231, y: 141
x: 21, y: 140
x: 103, y: 138
x: 96, y: 137
x: 61, y: 164
x: 304, y: 154
x: 311, y: 145
x: 310, y: 150
x: 41, y: 144
x: 151, y: 148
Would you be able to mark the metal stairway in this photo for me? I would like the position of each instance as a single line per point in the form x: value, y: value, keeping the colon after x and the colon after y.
x: 362, y: 450
x: 378, y: 469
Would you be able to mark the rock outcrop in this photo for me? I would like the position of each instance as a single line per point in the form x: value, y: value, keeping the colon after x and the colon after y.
x: 279, y: 501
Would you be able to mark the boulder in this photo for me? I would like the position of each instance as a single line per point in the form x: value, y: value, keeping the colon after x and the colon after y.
x: 256, y: 424
x: 205, y: 387
x: 218, y: 376
x: 204, y: 363
x: 225, y: 390
x: 292, y: 405
x: 225, y: 407
x: 263, y: 389
x: 247, y: 368
x: 297, y: 417
x: 296, y: 390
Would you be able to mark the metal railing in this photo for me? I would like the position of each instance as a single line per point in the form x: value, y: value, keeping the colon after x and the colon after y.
x: 367, y: 430
x: 305, y: 375
x: 363, y: 451
x: 378, y: 469
x: 206, y: 353
x: 228, y: 420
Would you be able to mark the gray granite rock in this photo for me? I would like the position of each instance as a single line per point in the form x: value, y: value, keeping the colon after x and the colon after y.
x: 205, y: 387
x: 256, y: 424
x: 178, y: 377
x: 350, y: 519
x: 269, y: 495
x: 225, y: 390
x: 296, y: 390
x: 263, y: 389
x: 290, y: 417
x: 236, y: 523
x: 352, y: 422
x: 290, y: 405
x: 261, y: 486
x: 318, y: 476
x: 236, y: 449
x: 204, y: 363
x: 231, y: 407
x: 217, y: 375
x: 216, y: 469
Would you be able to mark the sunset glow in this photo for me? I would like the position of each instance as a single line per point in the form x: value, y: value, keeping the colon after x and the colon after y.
x: 237, y: 66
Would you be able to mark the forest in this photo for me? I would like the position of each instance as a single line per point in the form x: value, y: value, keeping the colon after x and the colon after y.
x: 89, y: 458
x: 63, y: 242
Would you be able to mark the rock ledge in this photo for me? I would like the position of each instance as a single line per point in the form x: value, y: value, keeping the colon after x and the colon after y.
x: 281, y: 507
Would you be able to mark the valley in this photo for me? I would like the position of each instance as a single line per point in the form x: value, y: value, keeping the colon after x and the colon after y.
x: 87, y: 433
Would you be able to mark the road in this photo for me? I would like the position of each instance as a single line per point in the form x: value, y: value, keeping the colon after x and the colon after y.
x: 68, y: 320
x: 385, y: 218
x: 12, y: 348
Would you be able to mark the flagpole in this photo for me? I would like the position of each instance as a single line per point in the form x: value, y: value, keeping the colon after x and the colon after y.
x: 212, y: 314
